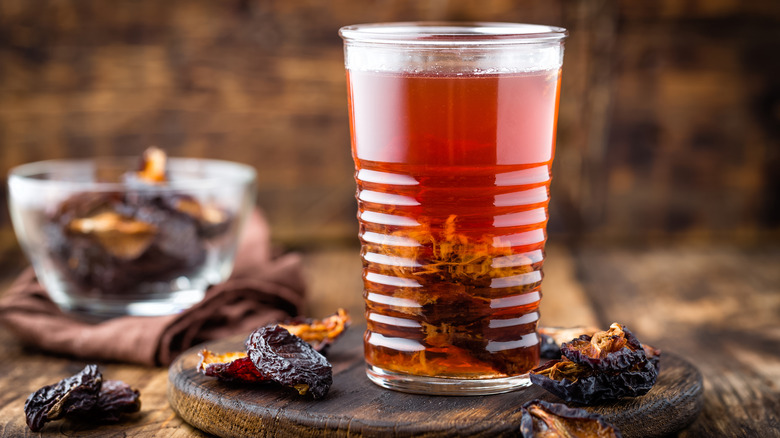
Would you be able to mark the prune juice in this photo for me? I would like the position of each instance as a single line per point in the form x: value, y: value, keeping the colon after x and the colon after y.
x: 453, y: 175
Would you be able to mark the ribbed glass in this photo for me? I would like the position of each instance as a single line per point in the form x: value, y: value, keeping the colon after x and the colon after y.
x: 453, y: 143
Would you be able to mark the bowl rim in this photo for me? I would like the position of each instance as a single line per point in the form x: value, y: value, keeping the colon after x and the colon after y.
x: 220, y: 173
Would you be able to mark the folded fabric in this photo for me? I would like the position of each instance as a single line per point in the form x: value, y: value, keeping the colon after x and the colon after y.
x: 260, y: 291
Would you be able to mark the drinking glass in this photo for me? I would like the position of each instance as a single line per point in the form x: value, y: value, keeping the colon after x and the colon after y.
x: 453, y: 136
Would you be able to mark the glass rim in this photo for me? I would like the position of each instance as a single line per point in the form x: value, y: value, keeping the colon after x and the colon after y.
x: 217, y: 173
x: 452, y: 34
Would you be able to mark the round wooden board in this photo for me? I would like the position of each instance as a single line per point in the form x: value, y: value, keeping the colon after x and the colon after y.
x: 356, y: 407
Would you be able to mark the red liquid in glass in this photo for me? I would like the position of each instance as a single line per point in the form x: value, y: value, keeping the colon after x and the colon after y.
x: 453, y: 177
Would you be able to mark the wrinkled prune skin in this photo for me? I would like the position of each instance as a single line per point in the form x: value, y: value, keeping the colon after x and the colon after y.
x: 289, y: 360
x: 577, y: 383
x: 548, y: 348
x: 230, y: 367
x: 319, y: 333
x: 551, y: 339
x: 73, y: 395
x: 104, y: 264
x: 605, y: 366
x: 542, y: 419
x: 653, y: 356
x: 84, y: 396
x: 115, y: 398
x: 612, y: 350
x: 144, y: 236
x: 210, y: 220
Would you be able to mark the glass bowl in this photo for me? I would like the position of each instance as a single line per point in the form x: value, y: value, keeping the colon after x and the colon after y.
x: 104, y: 244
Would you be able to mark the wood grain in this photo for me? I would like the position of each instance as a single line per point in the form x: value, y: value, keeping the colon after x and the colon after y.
x: 718, y: 306
x: 356, y: 407
x: 23, y: 371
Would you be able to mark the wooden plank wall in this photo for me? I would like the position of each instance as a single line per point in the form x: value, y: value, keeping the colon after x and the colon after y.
x: 668, y: 123
x: 694, y: 143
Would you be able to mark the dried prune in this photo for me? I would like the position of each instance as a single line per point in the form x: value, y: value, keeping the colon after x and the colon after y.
x: 73, y: 395
x: 578, y: 383
x: 542, y: 419
x: 289, y: 360
x: 653, y: 356
x: 153, y: 165
x: 84, y: 396
x: 319, y: 333
x: 210, y: 220
x: 125, y: 243
x: 115, y: 398
x: 548, y: 348
x: 551, y: 339
x: 605, y: 366
x: 611, y: 350
x: 116, y: 242
x: 122, y: 237
x: 177, y: 238
x: 234, y: 366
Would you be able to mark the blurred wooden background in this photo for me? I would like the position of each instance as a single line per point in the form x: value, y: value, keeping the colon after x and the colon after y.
x: 669, y: 123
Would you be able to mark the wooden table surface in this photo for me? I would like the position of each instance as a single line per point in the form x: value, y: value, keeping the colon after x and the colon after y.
x: 717, y: 306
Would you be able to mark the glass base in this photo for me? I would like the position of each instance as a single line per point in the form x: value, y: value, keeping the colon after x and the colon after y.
x: 99, y: 309
x: 445, y: 386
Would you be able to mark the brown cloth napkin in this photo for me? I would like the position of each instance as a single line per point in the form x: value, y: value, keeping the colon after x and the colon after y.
x: 261, y: 290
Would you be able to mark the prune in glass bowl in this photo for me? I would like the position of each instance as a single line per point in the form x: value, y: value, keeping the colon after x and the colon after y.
x: 107, y: 239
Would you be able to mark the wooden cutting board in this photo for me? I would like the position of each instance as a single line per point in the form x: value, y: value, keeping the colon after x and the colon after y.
x: 356, y: 407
